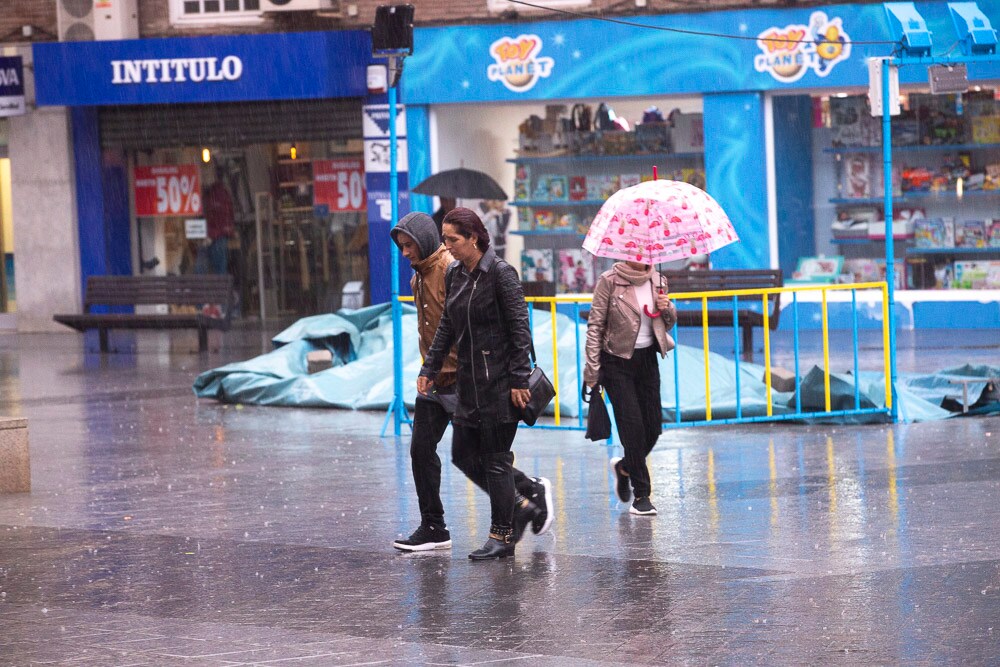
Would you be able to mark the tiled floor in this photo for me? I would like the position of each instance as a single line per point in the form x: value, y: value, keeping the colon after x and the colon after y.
x: 164, y: 530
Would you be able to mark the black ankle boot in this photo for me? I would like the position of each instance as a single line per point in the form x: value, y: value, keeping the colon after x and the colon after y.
x: 499, y: 545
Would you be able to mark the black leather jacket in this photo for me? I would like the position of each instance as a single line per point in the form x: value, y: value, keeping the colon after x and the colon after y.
x: 486, y: 318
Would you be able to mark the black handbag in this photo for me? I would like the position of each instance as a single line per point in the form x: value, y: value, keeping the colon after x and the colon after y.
x: 598, y: 419
x: 542, y: 393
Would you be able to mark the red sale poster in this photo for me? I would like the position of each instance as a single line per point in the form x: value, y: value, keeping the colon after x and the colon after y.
x: 339, y: 184
x: 167, y: 190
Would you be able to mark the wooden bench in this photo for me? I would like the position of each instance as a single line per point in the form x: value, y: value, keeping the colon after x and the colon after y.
x: 189, y: 290
x: 720, y: 310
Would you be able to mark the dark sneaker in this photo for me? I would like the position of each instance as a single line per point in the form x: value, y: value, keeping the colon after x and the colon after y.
x: 642, y: 507
x: 543, y: 501
x: 425, y: 538
x: 622, y: 489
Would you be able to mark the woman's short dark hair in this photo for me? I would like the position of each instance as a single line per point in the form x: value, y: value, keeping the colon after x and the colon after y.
x: 467, y: 223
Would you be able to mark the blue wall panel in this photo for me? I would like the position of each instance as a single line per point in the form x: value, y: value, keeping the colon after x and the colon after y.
x: 793, y: 171
x: 89, y: 193
x: 418, y: 145
x: 736, y: 177
x: 951, y: 314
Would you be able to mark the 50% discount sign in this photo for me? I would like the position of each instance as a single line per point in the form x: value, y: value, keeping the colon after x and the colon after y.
x: 167, y: 190
x: 339, y: 184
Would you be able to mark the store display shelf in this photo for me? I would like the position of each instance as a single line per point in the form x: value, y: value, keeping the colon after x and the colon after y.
x: 949, y: 195
x: 543, y: 203
x: 940, y: 148
x: 572, y: 157
x: 546, y: 232
x: 868, y: 239
x: 293, y: 184
x: 297, y: 209
x: 953, y: 251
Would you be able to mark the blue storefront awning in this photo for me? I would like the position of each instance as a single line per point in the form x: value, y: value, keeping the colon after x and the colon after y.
x: 231, y: 68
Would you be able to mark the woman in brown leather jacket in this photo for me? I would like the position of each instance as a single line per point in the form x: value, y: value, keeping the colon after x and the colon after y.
x: 624, y: 333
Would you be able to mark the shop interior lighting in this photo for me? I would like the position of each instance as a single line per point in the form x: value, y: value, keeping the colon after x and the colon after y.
x: 206, y: 155
x: 293, y: 152
x: 959, y: 187
x: 976, y: 35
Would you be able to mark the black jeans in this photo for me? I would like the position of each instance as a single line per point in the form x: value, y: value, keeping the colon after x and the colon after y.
x: 484, y: 455
x: 431, y: 416
x: 633, y: 385
x: 430, y: 419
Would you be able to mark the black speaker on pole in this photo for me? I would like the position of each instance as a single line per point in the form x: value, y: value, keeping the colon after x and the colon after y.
x: 392, y: 31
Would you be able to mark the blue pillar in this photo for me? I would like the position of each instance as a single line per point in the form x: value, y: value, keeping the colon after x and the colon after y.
x: 89, y: 192
x: 101, y: 201
x: 736, y: 176
x: 793, y: 171
x: 418, y: 131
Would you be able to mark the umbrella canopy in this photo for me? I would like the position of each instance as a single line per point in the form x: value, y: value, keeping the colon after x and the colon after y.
x: 461, y: 183
x: 659, y: 221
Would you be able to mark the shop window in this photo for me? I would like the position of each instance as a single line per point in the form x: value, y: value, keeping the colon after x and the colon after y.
x: 214, y: 11
x: 945, y: 179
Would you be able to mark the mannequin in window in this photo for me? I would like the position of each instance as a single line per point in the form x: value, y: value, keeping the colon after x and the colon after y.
x: 220, y: 223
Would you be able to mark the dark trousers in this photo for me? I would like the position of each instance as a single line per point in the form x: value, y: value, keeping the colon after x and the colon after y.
x: 431, y: 416
x: 633, y: 385
x: 430, y: 419
x: 484, y: 455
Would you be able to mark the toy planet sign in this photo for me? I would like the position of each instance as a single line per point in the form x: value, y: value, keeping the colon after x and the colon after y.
x: 518, y: 65
x: 789, y: 52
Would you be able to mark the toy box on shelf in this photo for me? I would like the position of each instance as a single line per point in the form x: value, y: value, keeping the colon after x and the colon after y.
x: 971, y: 233
x: 852, y: 122
x: 934, y: 233
x: 852, y: 222
x: 576, y: 270
x: 537, y: 265
x: 817, y: 269
x: 977, y: 274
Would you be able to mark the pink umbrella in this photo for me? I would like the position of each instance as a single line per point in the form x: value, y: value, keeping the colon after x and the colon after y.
x: 659, y: 221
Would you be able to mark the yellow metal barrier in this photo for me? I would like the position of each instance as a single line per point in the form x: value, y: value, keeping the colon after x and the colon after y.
x: 704, y: 297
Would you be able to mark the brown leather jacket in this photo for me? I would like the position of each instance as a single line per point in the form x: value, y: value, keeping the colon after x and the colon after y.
x: 613, y: 324
x: 427, y: 285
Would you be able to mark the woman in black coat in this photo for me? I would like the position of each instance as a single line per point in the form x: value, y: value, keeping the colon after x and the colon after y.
x: 486, y: 318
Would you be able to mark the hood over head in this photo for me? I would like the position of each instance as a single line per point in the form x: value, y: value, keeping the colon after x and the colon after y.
x: 422, y: 228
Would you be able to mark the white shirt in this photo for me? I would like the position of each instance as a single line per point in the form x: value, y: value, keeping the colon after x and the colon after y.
x: 644, y: 297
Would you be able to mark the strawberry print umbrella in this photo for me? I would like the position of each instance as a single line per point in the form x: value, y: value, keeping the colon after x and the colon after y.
x: 659, y: 221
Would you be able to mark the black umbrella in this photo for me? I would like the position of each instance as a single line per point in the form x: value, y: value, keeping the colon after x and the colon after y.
x: 461, y: 183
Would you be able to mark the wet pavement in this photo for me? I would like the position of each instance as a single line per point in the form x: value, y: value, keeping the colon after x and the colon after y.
x: 164, y: 530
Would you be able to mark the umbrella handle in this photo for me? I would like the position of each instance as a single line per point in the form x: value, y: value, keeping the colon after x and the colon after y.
x: 655, y: 313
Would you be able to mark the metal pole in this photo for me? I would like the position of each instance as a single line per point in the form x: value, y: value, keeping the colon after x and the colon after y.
x: 889, y: 241
x: 397, y: 312
x: 261, y: 199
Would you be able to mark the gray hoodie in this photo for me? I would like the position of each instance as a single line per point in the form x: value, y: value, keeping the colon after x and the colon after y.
x: 422, y: 228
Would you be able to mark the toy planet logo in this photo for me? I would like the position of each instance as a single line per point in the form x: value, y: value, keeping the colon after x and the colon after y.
x: 518, y: 65
x: 790, y: 52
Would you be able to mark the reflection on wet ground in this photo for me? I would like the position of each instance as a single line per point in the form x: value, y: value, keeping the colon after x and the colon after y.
x: 165, y: 530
